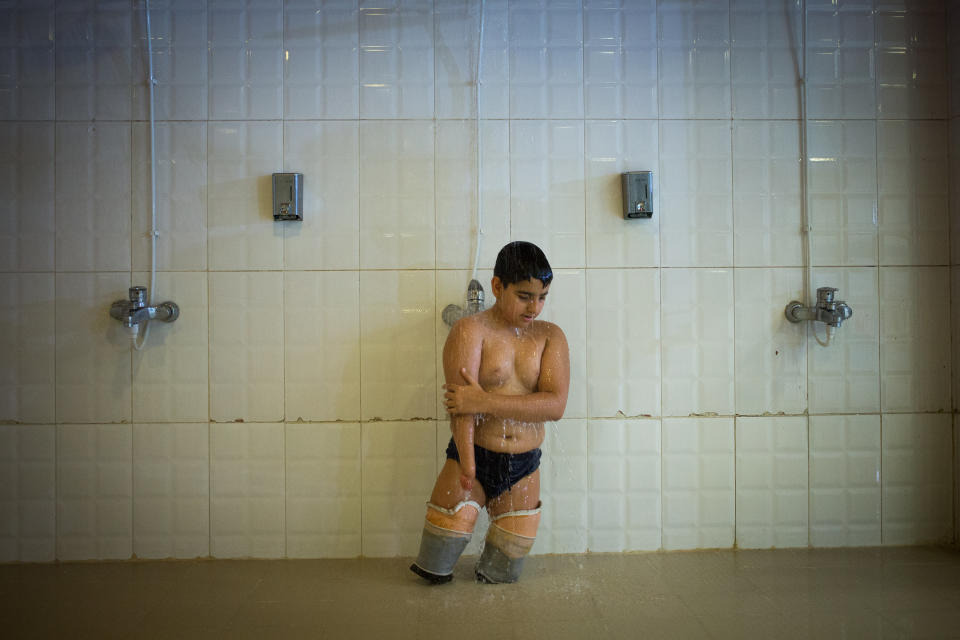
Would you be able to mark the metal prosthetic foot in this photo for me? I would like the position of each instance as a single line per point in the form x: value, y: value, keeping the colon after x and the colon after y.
x: 440, y: 546
x: 496, y: 567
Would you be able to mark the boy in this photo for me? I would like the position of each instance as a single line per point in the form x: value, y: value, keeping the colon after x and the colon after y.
x: 506, y: 374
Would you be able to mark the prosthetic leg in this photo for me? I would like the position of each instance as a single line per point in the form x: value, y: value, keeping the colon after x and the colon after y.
x: 445, y: 534
x: 508, y: 542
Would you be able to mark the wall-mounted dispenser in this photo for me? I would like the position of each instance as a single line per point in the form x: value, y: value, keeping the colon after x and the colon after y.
x: 288, y: 196
x: 637, y: 194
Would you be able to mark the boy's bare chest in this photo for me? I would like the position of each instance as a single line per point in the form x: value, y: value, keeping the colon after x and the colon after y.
x: 512, y: 365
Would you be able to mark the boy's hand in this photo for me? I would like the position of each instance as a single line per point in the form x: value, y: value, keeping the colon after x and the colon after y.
x: 467, y: 475
x: 464, y: 399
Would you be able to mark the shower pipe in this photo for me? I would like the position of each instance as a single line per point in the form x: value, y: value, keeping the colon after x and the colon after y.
x: 154, y: 232
x: 479, y: 186
x: 806, y: 227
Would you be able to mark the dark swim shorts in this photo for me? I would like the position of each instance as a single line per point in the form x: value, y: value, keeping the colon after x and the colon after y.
x: 497, y: 471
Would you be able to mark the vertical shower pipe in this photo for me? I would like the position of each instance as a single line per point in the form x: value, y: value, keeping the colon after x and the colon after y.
x: 806, y: 225
x: 154, y: 232
x: 476, y: 82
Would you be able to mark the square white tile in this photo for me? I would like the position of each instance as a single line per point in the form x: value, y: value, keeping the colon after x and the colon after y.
x: 695, y: 187
x: 170, y: 372
x: 27, y: 375
x: 28, y: 507
x: 546, y: 61
x: 246, y: 346
x: 321, y: 345
x: 396, y: 65
x: 771, y: 352
x: 93, y: 375
x: 564, y: 489
x: 29, y: 69
x: 772, y: 493
x: 247, y: 498
x: 181, y: 188
x: 241, y: 232
x: 845, y: 481
x: 566, y: 307
x: 956, y: 465
x: 620, y: 60
x: 623, y: 342
x: 171, y: 490
x: 697, y: 347
x: 952, y: 20
x: 399, y: 470
x: 547, y: 188
x: 913, y: 170
x: 764, y: 71
x: 624, y: 482
x: 246, y: 62
x: 841, y: 67
x: 98, y: 86
x: 327, y: 154
x: 321, y: 60
x: 94, y: 492
x: 397, y: 195
x: 397, y: 334
x: 457, y: 33
x: 698, y: 487
x: 912, y: 62
x: 180, y: 62
x: 914, y: 363
x: 694, y: 66
x: 28, y: 212
x: 92, y: 196
x: 456, y: 192
x: 954, y: 181
x: 917, y: 486
x: 767, y: 210
x: 614, y: 147
x: 955, y: 334
x: 844, y: 377
x: 323, y: 490
x: 842, y: 178
x: 495, y: 76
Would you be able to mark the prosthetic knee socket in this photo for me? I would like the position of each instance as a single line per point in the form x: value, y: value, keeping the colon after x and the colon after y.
x: 445, y: 534
x: 509, y: 539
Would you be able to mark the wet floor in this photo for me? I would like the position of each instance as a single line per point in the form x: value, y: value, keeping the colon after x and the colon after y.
x: 822, y: 593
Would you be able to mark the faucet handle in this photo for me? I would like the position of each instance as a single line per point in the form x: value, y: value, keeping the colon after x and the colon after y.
x: 844, y: 309
x: 825, y: 294
x: 138, y: 296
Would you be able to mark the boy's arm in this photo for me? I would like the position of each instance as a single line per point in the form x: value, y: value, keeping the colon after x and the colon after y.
x: 546, y: 403
x: 461, y: 355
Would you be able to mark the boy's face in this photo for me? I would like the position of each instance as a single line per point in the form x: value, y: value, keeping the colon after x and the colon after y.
x: 521, y: 302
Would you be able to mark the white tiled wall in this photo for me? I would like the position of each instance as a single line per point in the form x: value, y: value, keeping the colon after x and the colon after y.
x: 845, y: 492
x: 171, y: 490
x: 697, y: 486
x: 772, y: 494
x: 917, y: 491
x: 293, y: 408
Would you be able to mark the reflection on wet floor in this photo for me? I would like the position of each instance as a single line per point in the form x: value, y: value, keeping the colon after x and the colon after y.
x: 910, y: 592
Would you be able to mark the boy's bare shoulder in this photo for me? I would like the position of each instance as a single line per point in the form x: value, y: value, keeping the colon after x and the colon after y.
x: 549, y: 329
x: 468, y: 327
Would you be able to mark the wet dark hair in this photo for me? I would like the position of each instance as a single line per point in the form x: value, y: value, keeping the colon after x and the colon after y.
x: 520, y: 261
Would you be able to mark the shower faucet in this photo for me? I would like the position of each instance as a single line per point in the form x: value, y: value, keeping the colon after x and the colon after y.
x: 829, y: 311
x: 452, y: 312
x: 135, y: 311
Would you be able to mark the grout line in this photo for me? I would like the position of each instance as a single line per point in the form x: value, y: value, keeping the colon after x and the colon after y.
x: 882, y: 528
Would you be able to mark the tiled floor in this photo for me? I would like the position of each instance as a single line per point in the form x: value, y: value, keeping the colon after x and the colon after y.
x: 804, y: 593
